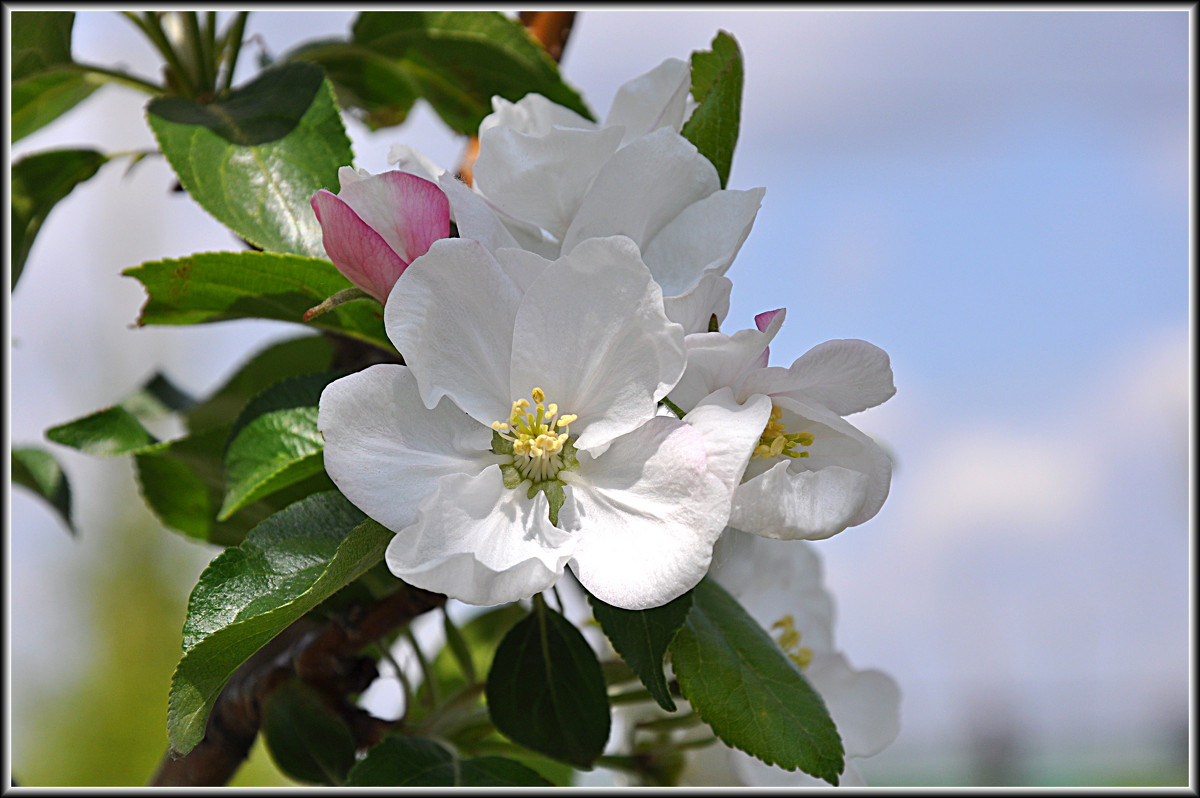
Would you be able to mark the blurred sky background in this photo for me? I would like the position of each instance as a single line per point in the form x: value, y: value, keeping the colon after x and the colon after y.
x: 999, y: 199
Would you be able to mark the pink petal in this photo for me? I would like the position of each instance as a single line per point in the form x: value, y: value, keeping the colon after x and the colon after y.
x: 408, y: 211
x: 763, y: 320
x: 359, y: 252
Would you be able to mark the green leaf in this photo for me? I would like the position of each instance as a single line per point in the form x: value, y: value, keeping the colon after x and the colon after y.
x: 641, y: 638
x: 40, y: 472
x: 481, y: 636
x: 183, y: 482
x: 166, y: 395
x: 277, y: 362
x: 400, y: 761
x: 249, y: 593
x: 717, y: 87
x: 219, y: 286
x: 110, y: 432
x: 254, y: 159
x: 40, y: 99
x: 456, y: 60
x: 39, y: 182
x: 39, y: 39
x: 546, y: 692
x: 45, y: 83
x: 306, y: 738
x: 275, y: 441
x: 751, y: 694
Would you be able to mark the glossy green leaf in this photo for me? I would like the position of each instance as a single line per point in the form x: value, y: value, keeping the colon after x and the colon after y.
x: 641, y: 638
x: 183, y: 483
x: 751, y: 694
x: 219, y: 286
x: 306, y: 738
x: 455, y: 60
x: 254, y: 159
x: 275, y: 441
x: 45, y: 83
x: 289, y: 358
x: 249, y: 593
x: 109, y: 432
x: 717, y: 88
x: 38, y: 471
x: 545, y: 690
x: 39, y: 182
x: 400, y: 761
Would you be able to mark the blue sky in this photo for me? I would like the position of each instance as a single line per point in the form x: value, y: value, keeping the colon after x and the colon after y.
x: 999, y: 199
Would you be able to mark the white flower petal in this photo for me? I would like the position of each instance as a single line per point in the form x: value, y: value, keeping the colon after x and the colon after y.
x: 522, y: 266
x: 480, y: 542
x: 474, y: 217
x: 591, y: 332
x: 717, y: 360
x: 865, y: 705
x: 533, y: 114
x: 641, y: 188
x: 541, y: 179
x: 809, y: 505
x: 406, y: 159
x: 837, y: 442
x: 451, y: 316
x: 653, y: 100
x: 645, y: 515
x: 730, y: 431
x: 846, y: 376
x: 706, y: 235
x: 694, y: 308
x: 348, y: 175
x: 385, y: 451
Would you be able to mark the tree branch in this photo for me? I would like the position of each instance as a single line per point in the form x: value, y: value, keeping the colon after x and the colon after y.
x: 325, y: 656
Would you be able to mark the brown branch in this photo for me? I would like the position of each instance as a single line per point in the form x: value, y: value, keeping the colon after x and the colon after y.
x: 325, y: 656
x: 551, y: 29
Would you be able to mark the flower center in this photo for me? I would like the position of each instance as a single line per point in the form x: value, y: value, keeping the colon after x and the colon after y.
x: 776, y: 440
x: 789, y: 641
x: 537, y: 449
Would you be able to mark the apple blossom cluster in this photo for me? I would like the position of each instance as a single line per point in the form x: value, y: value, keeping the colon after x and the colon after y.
x: 565, y: 400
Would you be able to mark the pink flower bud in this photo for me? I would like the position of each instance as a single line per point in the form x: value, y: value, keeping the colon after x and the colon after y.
x: 376, y: 225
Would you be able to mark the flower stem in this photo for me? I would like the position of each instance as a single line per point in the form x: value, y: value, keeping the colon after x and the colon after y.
x: 426, y: 672
x: 152, y: 27
x: 117, y: 76
x: 231, y: 44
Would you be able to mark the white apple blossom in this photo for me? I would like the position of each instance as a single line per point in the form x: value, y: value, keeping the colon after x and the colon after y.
x: 780, y: 584
x: 522, y: 436
x: 546, y: 179
x: 812, y: 474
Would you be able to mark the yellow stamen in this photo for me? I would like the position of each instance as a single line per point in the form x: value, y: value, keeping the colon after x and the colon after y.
x: 776, y: 441
x: 536, y: 446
